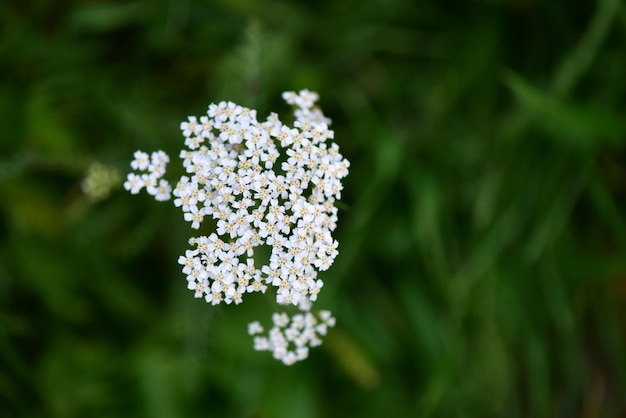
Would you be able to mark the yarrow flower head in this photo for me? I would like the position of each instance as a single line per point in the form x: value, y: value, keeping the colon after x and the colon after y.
x: 263, y: 184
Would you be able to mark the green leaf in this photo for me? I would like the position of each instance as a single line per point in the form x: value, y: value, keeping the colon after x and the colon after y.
x: 573, y: 125
x: 105, y: 16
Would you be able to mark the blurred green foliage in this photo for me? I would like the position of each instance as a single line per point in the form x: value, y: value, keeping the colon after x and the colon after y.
x: 482, y: 265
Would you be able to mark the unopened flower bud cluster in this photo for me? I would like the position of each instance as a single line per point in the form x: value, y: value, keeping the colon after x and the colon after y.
x: 262, y: 184
x: 99, y: 181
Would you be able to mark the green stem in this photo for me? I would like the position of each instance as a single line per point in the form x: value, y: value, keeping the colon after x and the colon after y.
x: 577, y: 63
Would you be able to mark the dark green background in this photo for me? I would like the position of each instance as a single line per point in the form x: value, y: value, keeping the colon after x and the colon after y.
x: 482, y: 258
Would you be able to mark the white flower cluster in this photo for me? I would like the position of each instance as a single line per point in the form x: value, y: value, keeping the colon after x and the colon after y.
x: 290, y: 338
x: 270, y: 191
x: 154, y: 168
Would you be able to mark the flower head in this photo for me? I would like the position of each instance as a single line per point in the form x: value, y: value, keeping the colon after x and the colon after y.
x: 233, y: 176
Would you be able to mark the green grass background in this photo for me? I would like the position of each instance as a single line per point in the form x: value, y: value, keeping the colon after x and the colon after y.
x: 482, y: 258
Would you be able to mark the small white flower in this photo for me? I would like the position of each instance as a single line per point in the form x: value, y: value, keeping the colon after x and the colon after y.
x: 261, y: 344
x: 191, y: 127
x: 134, y: 183
x: 195, y: 216
x: 254, y: 328
x: 161, y: 192
x: 280, y: 320
x: 141, y: 161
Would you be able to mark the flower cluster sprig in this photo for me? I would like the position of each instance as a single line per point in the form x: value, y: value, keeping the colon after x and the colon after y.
x: 264, y: 184
x: 290, y: 338
x: 153, y: 168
